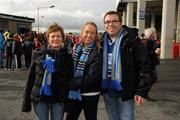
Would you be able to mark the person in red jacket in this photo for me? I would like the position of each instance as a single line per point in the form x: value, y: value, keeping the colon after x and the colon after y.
x: 37, y: 44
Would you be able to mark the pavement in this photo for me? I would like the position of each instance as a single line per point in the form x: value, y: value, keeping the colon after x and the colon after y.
x: 165, y: 94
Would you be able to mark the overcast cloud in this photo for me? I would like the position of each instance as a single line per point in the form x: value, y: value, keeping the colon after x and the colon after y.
x: 71, y: 14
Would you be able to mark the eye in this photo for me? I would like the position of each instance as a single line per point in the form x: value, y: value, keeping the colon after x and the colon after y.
x: 113, y: 22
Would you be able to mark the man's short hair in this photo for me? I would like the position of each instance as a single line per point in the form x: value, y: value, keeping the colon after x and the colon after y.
x: 112, y: 13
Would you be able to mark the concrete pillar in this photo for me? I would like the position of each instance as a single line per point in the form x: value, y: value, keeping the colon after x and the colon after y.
x: 141, y: 13
x: 130, y: 8
x: 117, y: 2
x: 178, y: 24
x: 124, y: 17
x: 153, y: 20
x: 167, y: 30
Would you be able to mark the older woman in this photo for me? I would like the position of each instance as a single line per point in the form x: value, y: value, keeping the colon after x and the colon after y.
x: 47, y: 84
x: 85, y: 87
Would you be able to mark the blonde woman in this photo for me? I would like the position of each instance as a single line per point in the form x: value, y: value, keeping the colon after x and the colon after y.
x: 47, y: 84
x: 85, y: 87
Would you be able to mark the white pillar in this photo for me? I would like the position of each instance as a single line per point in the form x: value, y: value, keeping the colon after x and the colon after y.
x: 130, y: 8
x: 117, y: 2
x: 141, y: 13
x: 124, y: 17
x: 153, y: 20
x: 167, y: 30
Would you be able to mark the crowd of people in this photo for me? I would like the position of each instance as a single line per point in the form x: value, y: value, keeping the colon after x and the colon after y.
x: 20, y: 48
x: 69, y: 73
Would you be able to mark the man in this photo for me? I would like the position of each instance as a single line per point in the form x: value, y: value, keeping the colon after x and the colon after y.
x: 125, y: 78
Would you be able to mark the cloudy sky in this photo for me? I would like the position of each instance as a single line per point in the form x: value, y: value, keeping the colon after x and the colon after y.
x: 71, y: 14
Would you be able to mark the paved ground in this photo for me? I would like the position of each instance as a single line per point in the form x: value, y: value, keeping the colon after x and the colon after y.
x: 166, y: 94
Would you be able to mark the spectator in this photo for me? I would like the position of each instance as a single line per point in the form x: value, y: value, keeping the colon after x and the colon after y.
x: 49, y: 73
x: 37, y: 44
x: 1, y: 49
x: 27, y: 50
x: 17, y: 51
x: 150, y: 44
x: 85, y: 87
x: 126, y: 77
x: 9, y: 51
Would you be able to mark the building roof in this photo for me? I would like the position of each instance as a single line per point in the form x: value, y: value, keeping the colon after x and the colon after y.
x: 152, y: 6
x: 17, y: 18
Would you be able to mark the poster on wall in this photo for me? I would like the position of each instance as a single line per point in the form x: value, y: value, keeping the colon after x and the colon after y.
x: 142, y: 14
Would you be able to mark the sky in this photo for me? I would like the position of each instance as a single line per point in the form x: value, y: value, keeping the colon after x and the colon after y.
x: 70, y: 14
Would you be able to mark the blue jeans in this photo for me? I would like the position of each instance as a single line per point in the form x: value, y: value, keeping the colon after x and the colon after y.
x: 42, y: 110
x: 119, y: 110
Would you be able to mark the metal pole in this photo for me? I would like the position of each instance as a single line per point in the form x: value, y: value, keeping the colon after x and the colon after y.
x: 38, y: 18
x: 38, y: 13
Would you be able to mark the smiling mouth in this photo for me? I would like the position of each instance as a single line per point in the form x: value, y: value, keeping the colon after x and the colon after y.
x: 111, y: 29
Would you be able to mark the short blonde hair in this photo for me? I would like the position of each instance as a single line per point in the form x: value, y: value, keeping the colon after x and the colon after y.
x: 55, y: 28
x: 97, y: 39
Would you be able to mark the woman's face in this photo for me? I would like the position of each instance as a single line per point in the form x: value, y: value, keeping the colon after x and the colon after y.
x: 89, y: 34
x: 55, y: 40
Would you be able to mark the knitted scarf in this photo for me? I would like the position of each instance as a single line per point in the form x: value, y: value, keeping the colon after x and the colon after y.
x: 79, y: 65
x: 116, y: 73
x: 49, y: 69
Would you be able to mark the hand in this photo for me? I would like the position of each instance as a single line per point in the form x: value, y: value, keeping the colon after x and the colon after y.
x: 138, y: 99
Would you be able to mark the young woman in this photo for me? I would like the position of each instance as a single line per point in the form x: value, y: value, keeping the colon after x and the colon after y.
x: 47, y: 84
x: 85, y: 87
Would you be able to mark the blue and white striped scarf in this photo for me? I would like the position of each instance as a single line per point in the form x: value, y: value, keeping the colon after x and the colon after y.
x: 116, y: 74
x: 79, y: 63
x: 79, y: 66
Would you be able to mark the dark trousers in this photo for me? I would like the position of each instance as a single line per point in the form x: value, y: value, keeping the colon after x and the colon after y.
x: 27, y: 60
x: 1, y: 58
x: 9, y: 61
x: 18, y: 61
x: 89, y: 104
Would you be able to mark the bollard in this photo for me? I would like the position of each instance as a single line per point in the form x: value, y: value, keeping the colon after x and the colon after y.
x: 176, y: 50
x: 179, y: 49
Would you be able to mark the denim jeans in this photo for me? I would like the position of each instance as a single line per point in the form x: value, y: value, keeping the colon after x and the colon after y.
x: 42, y: 110
x: 117, y: 109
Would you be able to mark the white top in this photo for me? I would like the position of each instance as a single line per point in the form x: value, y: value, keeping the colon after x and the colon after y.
x: 90, y: 94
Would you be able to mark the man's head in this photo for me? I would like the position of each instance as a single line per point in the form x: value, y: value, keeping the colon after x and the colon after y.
x: 112, y: 23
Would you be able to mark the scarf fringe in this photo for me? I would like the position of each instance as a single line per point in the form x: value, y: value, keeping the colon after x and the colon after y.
x: 111, y: 84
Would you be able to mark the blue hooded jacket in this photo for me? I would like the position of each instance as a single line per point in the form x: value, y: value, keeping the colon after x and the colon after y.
x: 1, y: 41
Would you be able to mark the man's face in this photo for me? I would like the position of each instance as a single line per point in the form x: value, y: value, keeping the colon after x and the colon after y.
x: 112, y: 25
